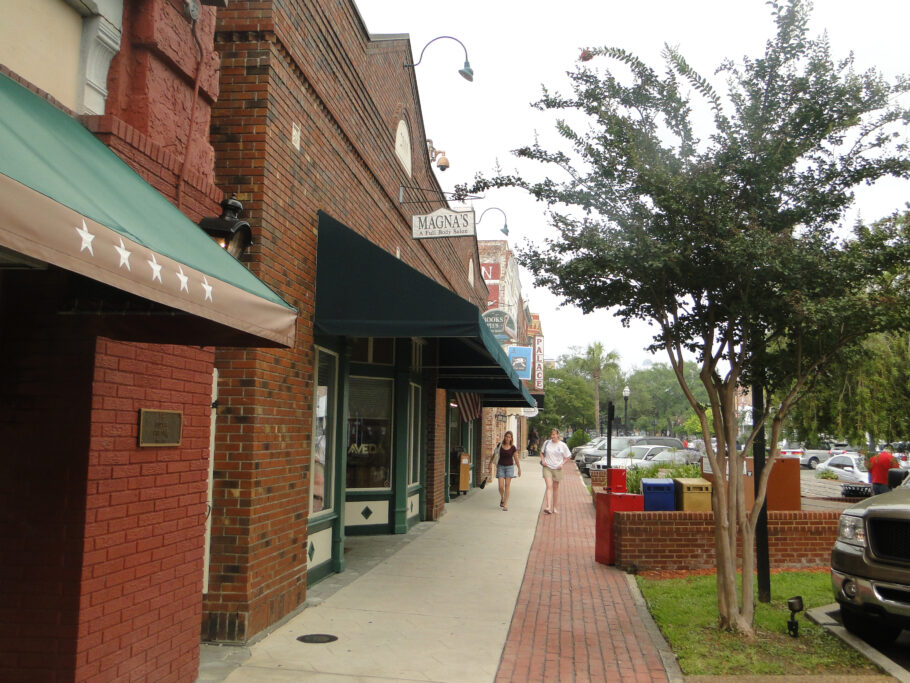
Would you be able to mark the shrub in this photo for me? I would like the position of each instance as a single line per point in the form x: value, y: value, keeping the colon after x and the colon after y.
x: 634, y: 475
x: 578, y: 438
x: 826, y: 474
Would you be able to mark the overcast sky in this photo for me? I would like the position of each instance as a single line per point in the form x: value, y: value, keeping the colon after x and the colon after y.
x: 515, y: 47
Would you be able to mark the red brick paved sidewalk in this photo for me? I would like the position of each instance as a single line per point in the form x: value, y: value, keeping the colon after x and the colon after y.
x: 575, y: 619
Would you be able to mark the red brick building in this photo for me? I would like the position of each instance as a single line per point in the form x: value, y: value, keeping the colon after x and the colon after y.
x: 111, y: 303
x: 188, y: 438
x: 318, y: 131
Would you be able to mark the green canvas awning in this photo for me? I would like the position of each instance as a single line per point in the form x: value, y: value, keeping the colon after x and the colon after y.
x: 363, y: 291
x: 68, y: 200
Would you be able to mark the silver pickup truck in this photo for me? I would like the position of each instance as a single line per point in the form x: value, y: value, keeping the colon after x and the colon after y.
x: 870, y: 564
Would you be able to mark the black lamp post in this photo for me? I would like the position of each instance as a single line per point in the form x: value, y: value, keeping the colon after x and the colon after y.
x: 625, y: 398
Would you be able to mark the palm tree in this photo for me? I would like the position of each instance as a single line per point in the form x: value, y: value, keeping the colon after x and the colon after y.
x: 594, y: 362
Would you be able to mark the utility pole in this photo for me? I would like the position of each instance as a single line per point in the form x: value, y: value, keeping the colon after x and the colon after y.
x: 762, y: 559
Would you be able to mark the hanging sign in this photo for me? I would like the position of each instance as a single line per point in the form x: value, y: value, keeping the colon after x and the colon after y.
x: 443, y: 223
x: 538, y: 362
x: 520, y: 357
x: 501, y: 324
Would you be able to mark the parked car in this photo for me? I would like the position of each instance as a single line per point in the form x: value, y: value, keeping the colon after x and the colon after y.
x: 670, y: 441
x: 849, y: 467
x: 581, y: 456
x: 593, y: 442
x: 629, y: 456
x: 671, y: 456
x: 808, y: 457
x: 842, y: 447
x: 586, y: 456
x: 870, y: 566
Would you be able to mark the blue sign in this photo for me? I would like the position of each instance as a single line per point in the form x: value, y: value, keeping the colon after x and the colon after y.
x: 520, y: 357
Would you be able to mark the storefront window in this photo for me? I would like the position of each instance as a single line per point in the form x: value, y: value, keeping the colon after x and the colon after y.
x: 323, y: 431
x: 369, y: 446
x: 414, y: 436
x: 375, y: 351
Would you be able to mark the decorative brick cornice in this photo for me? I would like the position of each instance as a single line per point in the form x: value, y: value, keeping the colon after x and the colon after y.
x: 108, y: 124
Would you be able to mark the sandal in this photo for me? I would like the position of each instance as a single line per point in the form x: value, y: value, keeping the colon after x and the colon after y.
x: 547, y: 512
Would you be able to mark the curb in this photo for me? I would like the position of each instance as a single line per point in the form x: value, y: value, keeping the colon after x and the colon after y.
x: 671, y: 666
x: 824, y: 617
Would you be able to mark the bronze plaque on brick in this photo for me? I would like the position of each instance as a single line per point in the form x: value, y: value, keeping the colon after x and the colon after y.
x: 160, y: 427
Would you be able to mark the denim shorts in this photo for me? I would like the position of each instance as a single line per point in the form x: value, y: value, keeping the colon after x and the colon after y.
x: 505, y: 471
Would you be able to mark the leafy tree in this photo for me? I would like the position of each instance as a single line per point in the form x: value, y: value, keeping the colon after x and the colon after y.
x: 692, y: 425
x: 865, y: 393
x: 569, y: 403
x: 726, y: 244
x: 657, y: 401
x: 592, y: 364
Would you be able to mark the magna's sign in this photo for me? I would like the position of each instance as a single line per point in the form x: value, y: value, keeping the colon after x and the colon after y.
x: 443, y: 223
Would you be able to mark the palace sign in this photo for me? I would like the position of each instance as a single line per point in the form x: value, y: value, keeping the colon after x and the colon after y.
x: 538, y: 363
x: 443, y: 223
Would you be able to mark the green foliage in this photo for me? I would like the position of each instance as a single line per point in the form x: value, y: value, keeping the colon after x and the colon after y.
x: 726, y: 243
x: 865, y: 392
x: 578, y: 438
x: 692, y: 425
x: 569, y: 403
x: 826, y: 474
x: 685, y: 610
x: 634, y: 475
x: 657, y: 401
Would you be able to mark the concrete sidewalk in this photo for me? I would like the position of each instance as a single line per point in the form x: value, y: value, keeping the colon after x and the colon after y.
x: 452, y: 601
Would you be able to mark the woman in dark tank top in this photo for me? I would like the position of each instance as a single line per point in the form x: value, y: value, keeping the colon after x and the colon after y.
x: 507, y: 463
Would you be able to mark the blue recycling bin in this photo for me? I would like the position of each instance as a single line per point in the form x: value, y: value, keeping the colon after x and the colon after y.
x: 660, y: 494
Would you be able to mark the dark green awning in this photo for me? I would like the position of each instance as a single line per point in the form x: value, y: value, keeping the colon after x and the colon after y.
x: 363, y: 291
x: 68, y: 200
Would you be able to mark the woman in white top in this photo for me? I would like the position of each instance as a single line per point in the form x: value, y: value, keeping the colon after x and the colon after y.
x: 553, y: 456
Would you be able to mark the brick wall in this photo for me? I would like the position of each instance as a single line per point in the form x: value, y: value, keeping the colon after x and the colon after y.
x: 436, y: 456
x: 685, y: 540
x: 310, y: 65
x: 141, y: 588
x: 101, y: 576
x: 44, y: 435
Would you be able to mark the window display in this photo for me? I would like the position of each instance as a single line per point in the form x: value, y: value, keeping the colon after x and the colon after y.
x: 323, y: 431
x: 369, y: 447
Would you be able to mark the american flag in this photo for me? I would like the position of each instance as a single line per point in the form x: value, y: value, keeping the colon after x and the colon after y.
x: 469, y: 405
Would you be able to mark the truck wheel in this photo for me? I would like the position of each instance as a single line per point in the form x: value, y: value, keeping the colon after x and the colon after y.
x: 872, y: 631
x: 813, y: 463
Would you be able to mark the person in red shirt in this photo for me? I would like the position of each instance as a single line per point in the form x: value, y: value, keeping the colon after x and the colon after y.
x: 878, y: 471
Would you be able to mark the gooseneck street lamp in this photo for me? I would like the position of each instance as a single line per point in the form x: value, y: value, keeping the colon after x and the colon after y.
x: 465, y: 72
x: 505, y: 219
x: 625, y: 398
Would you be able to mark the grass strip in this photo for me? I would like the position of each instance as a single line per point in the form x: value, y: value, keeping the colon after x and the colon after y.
x: 685, y: 609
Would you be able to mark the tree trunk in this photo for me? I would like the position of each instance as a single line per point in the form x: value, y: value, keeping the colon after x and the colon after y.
x: 597, y: 400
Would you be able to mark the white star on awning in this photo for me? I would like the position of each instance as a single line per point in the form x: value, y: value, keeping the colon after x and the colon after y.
x: 183, y: 280
x: 207, y: 287
x: 156, y: 269
x: 124, y: 255
x: 87, y: 238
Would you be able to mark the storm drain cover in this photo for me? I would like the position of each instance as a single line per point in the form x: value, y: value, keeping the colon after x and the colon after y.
x: 317, y: 638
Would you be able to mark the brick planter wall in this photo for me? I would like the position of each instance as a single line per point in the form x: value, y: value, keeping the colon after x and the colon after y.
x: 685, y: 540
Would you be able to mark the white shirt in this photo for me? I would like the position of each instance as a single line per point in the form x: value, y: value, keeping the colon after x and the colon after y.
x: 555, y: 454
